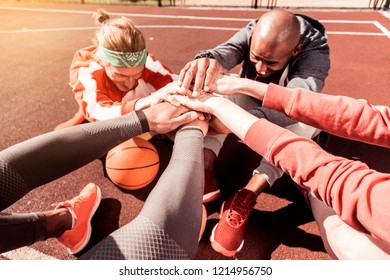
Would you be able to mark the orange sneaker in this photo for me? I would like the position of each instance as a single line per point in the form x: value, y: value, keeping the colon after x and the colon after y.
x: 227, y: 237
x: 83, y: 208
x: 211, y: 188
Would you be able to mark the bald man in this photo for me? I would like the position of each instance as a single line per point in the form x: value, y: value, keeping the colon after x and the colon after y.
x: 282, y: 48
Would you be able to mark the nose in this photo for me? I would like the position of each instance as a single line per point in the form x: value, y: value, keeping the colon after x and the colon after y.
x: 261, y: 67
x: 129, y: 82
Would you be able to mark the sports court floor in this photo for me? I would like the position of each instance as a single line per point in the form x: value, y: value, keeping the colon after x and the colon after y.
x: 37, y: 42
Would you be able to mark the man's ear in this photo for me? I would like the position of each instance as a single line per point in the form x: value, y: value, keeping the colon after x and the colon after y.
x: 297, y: 50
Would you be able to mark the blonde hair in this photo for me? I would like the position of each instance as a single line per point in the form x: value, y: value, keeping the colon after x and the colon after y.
x: 118, y: 34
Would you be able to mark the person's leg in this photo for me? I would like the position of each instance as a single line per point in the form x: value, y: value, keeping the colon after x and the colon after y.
x: 214, y: 143
x: 70, y: 222
x: 343, y: 242
x: 18, y: 230
x: 227, y: 236
x: 44, y: 158
x: 47, y: 157
x: 169, y: 223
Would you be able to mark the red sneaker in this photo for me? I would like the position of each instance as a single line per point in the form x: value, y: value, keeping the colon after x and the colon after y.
x: 227, y: 236
x: 84, y: 207
x: 211, y: 188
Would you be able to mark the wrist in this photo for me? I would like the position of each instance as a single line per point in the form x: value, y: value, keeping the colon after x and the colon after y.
x: 215, y: 103
x: 139, y: 104
x: 143, y: 120
x: 252, y: 88
x: 203, y: 53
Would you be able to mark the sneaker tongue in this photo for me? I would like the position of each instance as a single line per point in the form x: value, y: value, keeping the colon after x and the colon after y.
x: 241, y: 207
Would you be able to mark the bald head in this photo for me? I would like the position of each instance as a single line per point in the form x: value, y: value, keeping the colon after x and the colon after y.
x: 275, y: 39
x: 278, y: 27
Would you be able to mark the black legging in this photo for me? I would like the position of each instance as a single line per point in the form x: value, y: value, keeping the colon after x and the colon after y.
x: 176, y: 198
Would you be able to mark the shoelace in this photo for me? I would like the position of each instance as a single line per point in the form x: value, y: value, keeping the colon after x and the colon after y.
x: 240, y: 209
x: 68, y: 203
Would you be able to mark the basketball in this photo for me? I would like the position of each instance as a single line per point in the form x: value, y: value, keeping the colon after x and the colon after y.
x: 133, y: 164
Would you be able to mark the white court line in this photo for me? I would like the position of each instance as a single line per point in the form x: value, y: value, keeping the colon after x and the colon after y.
x: 25, y: 30
x: 164, y: 16
x: 125, y: 14
x: 382, y: 28
x: 26, y: 253
x: 377, y: 24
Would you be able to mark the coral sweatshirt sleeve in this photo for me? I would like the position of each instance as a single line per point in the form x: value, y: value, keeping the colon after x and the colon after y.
x: 339, y: 115
x: 358, y: 194
x: 98, y: 98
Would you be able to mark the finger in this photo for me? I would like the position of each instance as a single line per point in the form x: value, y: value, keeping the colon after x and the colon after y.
x: 172, y: 99
x: 183, y: 73
x: 158, y: 99
x: 184, y: 118
x: 189, y: 76
x: 186, y: 102
x: 203, y: 64
x: 201, y: 116
x: 211, y: 75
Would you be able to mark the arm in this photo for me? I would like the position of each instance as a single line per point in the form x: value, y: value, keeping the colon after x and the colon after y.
x: 340, y: 115
x: 232, y: 52
x: 354, y: 119
x: 310, y: 67
x: 357, y: 194
x: 47, y: 157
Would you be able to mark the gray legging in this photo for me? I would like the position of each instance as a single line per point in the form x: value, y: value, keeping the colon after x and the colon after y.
x: 169, y: 223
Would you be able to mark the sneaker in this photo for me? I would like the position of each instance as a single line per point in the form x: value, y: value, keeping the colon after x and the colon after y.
x: 204, y: 220
x: 211, y: 188
x: 83, y: 207
x: 227, y: 237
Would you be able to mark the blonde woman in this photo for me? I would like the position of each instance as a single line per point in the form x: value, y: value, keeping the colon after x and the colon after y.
x: 116, y: 74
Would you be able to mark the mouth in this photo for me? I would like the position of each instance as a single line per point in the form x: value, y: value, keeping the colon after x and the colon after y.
x: 263, y: 74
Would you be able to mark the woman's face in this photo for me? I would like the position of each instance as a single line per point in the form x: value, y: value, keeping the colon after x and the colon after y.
x: 124, y: 78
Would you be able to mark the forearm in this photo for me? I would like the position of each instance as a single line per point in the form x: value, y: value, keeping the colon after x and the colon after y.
x: 234, y: 85
x: 340, y: 115
x: 236, y: 119
x: 232, y: 52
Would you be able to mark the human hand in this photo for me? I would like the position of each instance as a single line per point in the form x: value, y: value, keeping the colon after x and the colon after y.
x: 226, y: 84
x: 163, y: 94
x: 165, y: 117
x: 197, y: 76
x: 204, y: 103
x: 233, y: 84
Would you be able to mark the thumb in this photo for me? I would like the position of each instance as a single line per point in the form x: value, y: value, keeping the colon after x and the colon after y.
x: 185, y: 118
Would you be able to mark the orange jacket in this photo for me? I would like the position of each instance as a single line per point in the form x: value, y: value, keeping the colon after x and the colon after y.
x: 98, y: 98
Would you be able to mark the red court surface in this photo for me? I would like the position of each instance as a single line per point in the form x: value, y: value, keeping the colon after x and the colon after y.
x: 38, y: 42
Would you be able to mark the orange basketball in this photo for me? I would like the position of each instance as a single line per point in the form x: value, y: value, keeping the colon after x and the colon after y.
x: 133, y: 164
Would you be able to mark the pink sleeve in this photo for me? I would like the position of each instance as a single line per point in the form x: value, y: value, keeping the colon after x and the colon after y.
x: 358, y: 194
x: 339, y: 115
